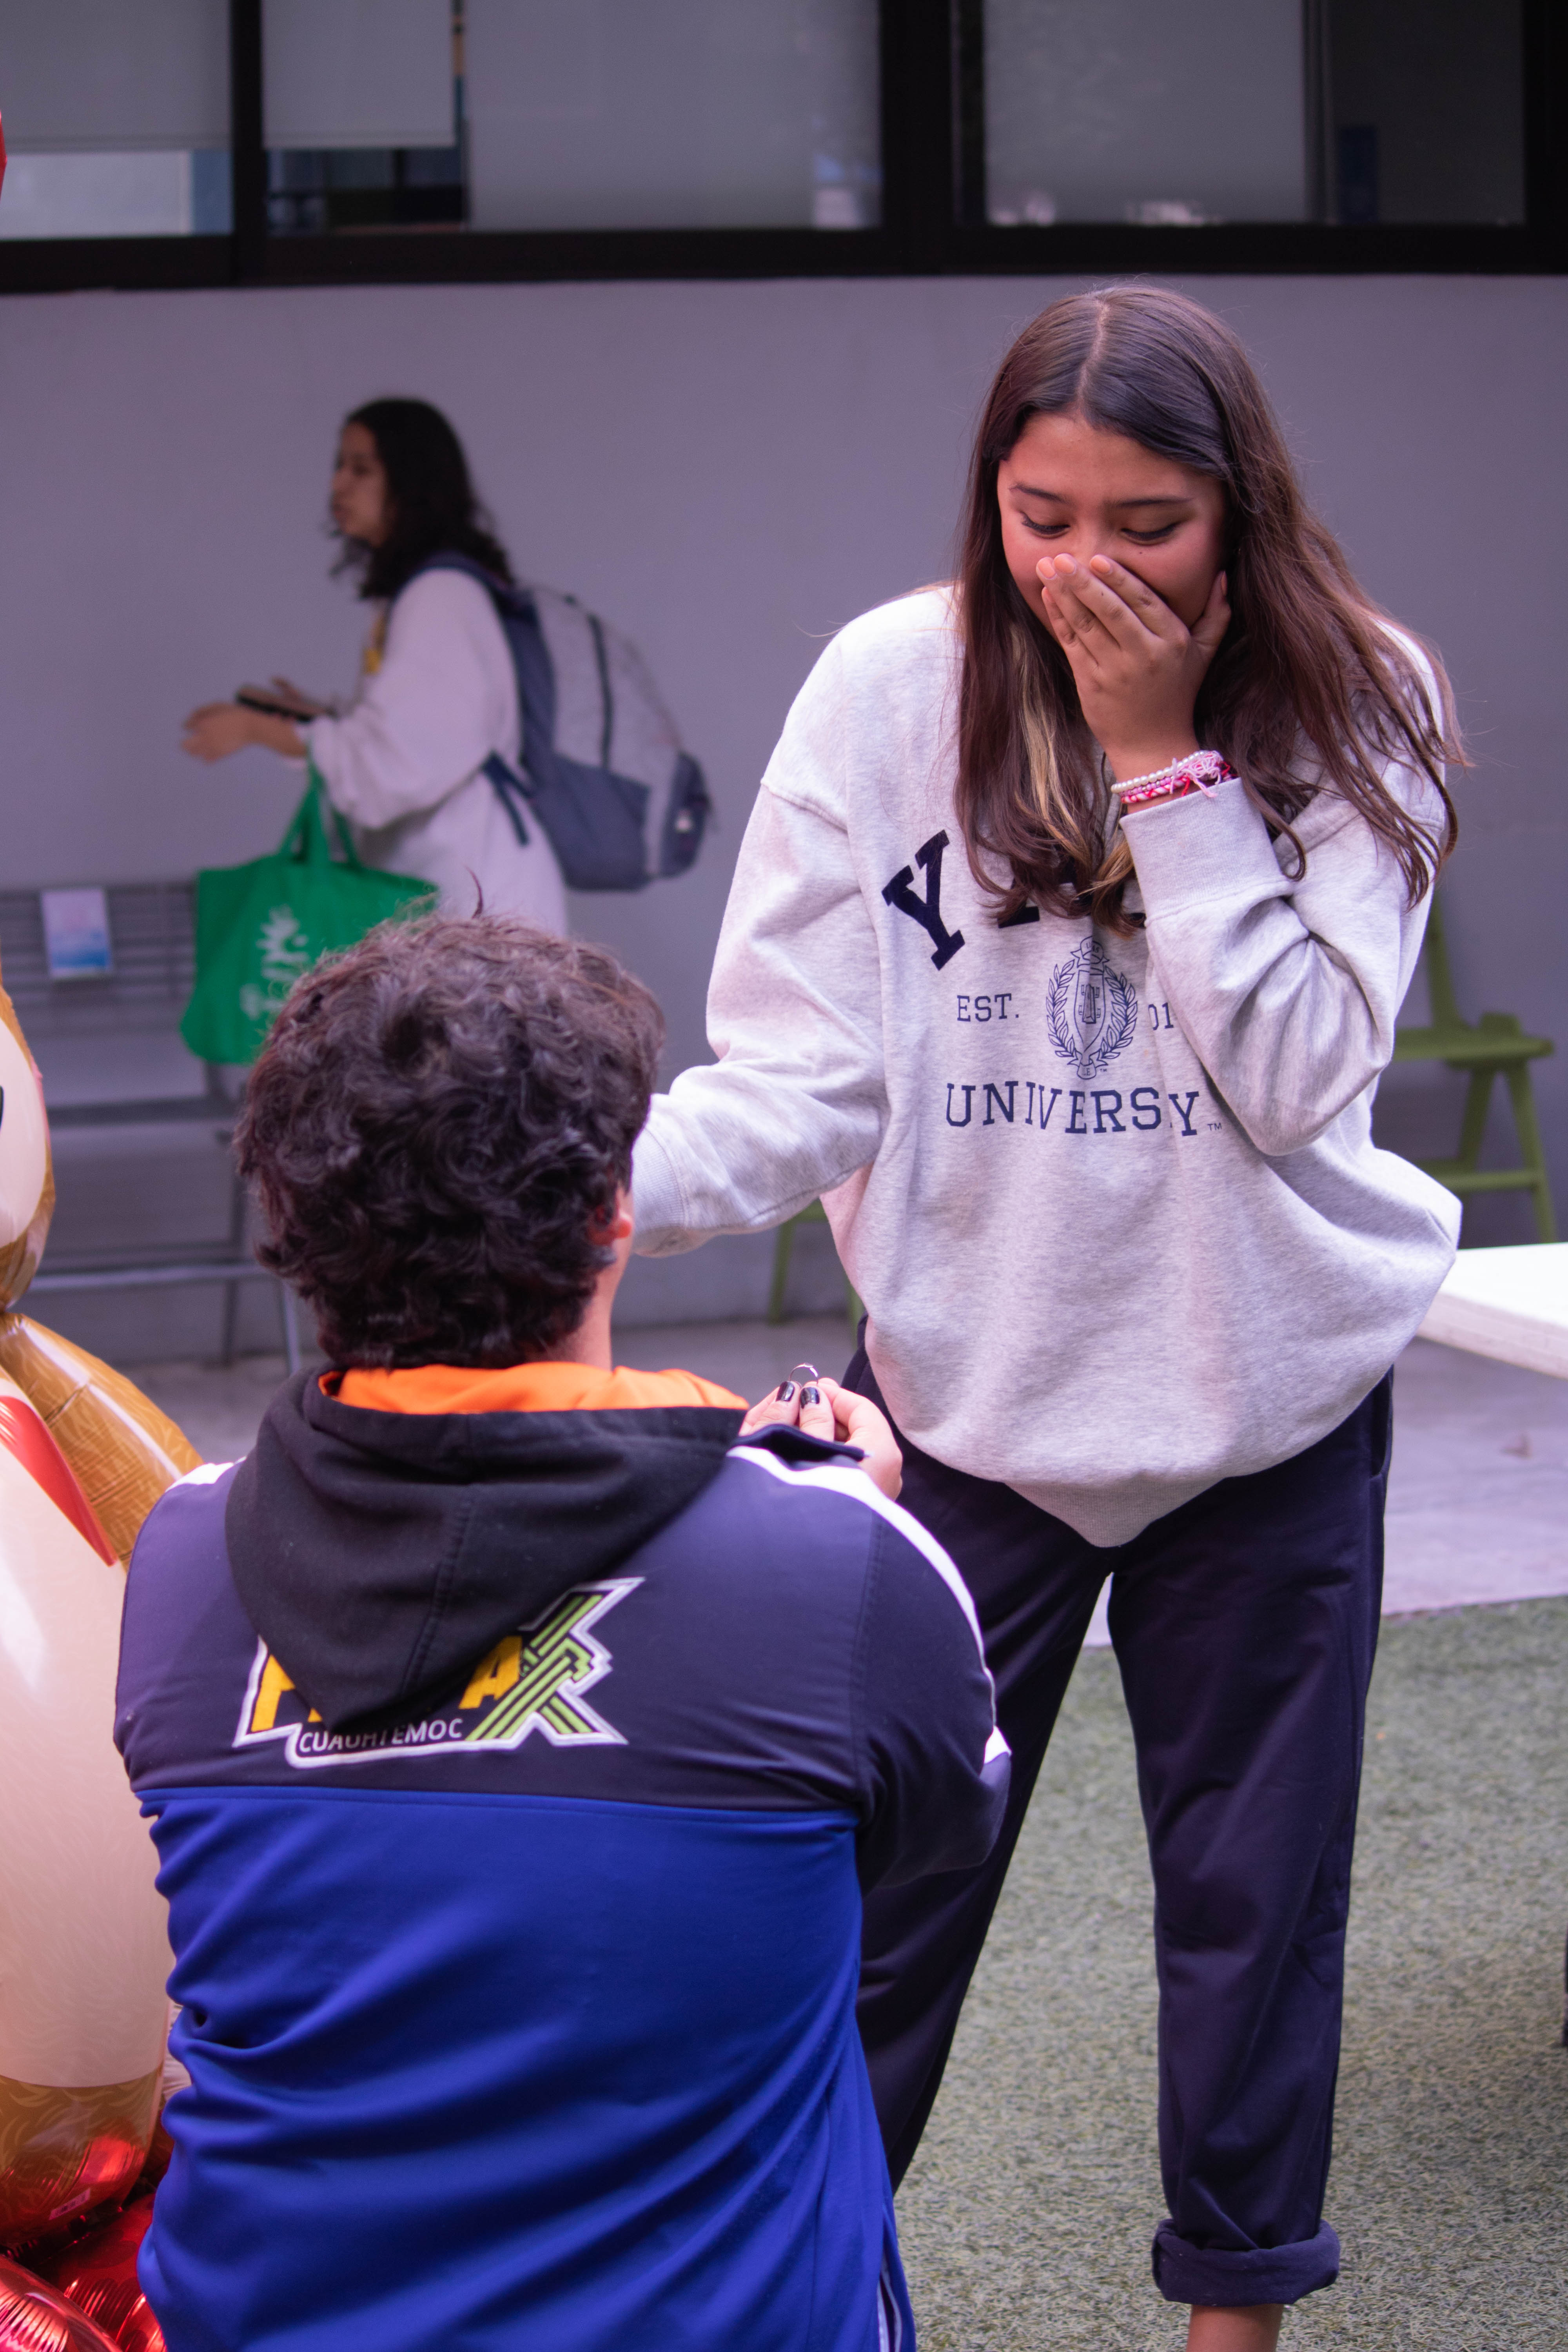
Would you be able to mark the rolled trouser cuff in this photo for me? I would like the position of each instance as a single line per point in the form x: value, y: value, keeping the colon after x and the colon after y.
x: 1185, y: 2273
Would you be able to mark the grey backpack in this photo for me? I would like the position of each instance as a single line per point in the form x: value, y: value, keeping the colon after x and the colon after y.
x: 602, y: 769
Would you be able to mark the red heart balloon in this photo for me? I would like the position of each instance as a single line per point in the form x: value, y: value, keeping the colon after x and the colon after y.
x: 97, y: 2274
x: 33, y: 2318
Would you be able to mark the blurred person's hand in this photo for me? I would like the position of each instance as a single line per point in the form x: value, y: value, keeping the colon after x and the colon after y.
x: 838, y: 1415
x: 217, y: 728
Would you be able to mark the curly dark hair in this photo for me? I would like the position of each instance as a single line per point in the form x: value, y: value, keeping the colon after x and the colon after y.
x: 434, y: 511
x: 438, y: 1122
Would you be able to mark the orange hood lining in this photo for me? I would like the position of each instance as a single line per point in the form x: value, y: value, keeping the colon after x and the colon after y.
x: 523, y: 1388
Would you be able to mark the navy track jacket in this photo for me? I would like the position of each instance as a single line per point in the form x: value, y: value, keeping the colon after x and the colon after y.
x: 515, y: 1776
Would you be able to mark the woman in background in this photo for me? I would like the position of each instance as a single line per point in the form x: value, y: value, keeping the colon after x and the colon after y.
x: 438, y: 695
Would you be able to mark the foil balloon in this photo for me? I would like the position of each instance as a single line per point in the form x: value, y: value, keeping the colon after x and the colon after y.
x: 97, y: 2274
x: 34, y: 2319
x: 123, y: 1451
x: 83, y: 1948
x: 27, y: 1179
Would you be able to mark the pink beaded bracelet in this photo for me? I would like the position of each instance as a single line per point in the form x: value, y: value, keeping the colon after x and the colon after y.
x: 1200, y: 772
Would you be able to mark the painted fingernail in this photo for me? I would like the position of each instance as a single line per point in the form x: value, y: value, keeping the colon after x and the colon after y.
x: 785, y: 1392
x: 811, y: 1394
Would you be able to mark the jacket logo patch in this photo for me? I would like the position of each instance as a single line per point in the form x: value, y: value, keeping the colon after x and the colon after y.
x: 534, y: 1680
x: 1091, y: 1010
x: 926, y: 911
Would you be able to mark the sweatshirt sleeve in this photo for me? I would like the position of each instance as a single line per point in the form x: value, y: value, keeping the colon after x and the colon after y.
x: 431, y: 715
x: 796, y: 1101
x: 934, y: 1768
x: 1286, y: 987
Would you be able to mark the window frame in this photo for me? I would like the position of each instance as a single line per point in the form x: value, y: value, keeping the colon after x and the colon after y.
x: 929, y: 79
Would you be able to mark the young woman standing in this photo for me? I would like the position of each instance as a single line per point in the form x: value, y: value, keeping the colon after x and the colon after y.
x: 1063, y: 956
x: 437, y: 692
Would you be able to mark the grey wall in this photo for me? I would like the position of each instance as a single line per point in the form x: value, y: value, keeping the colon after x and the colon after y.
x: 728, y: 472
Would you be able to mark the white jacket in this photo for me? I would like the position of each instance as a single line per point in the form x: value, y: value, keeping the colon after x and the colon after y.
x: 404, y: 762
x: 1112, y: 1205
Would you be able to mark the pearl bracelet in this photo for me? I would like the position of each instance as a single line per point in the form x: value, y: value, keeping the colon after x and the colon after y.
x: 1199, y: 772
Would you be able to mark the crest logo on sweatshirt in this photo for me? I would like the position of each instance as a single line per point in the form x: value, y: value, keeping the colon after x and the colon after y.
x: 534, y: 1680
x: 1091, y: 1010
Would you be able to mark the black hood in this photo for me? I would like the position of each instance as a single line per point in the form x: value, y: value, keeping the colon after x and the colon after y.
x: 379, y: 1554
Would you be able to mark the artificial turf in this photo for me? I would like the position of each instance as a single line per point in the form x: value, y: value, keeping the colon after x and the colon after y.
x: 1027, y: 2217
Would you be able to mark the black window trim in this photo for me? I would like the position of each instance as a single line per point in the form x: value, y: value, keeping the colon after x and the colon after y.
x: 932, y: 225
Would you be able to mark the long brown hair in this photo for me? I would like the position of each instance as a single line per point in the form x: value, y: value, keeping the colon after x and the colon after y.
x: 434, y: 511
x: 1306, y: 662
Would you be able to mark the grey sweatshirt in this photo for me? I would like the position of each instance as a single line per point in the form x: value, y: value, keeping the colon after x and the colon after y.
x: 1112, y: 1203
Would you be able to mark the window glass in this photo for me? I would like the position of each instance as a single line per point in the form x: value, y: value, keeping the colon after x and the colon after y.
x: 572, y: 114
x: 116, y: 118
x: 672, y: 113
x: 1135, y: 110
x: 1350, y: 111
x: 1425, y: 112
x: 358, y: 73
x: 362, y: 101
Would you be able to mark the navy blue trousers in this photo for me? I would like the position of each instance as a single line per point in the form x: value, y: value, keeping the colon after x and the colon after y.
x: 1245, y: 1625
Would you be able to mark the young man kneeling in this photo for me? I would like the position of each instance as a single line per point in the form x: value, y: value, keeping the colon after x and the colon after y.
x: 519, y: 1734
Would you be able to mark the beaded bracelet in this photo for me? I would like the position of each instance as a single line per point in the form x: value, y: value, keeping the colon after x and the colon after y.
x: 1199, y: 772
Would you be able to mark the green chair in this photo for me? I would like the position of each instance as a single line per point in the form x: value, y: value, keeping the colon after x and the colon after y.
x: 1494, y: 1047
x: 815, y: 1215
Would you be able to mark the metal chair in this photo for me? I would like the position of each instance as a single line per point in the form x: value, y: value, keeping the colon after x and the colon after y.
x: 1494, y: 1047
x: 783, y: 1246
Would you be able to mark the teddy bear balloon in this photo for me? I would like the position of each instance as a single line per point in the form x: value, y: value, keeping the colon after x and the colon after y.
x: 83, y: 1949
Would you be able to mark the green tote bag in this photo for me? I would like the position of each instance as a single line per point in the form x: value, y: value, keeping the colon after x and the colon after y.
x: 260, y: 926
